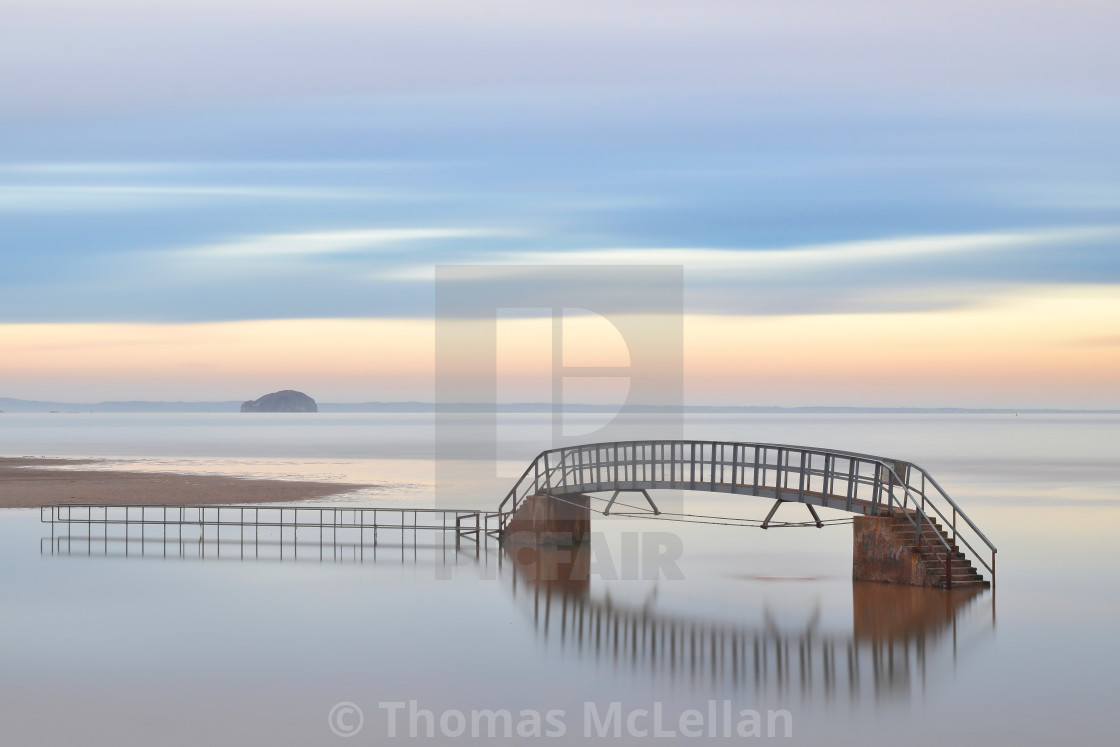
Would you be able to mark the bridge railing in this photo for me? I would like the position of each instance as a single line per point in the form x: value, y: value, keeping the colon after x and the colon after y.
x: 963, y: 529
x: 848, y: 481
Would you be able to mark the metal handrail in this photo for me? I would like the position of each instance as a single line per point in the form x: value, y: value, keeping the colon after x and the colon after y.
x: 563, y: 462
x: 298, y: 517
x: 952, y: 522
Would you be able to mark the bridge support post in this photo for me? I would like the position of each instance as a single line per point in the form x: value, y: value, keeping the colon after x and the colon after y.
x: 607, y: 510
x: 779, y: 502
x: 773, y: 510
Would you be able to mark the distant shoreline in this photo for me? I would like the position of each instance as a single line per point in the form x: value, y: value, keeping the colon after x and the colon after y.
x: 35, y: 482
x: 18, y: 406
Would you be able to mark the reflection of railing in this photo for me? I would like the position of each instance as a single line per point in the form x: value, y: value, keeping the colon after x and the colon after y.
x: 857, y: 483
x: 886, y: 653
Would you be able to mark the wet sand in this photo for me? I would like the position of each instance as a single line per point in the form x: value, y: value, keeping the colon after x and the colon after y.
x: 30, y: 483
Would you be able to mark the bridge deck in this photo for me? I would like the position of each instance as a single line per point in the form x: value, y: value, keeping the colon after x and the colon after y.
x: 842, y: 480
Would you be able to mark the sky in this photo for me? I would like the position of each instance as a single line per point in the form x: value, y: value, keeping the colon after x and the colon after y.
x: 874, y: 203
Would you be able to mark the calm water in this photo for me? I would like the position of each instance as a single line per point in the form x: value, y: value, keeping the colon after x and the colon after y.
x: 230, y: 642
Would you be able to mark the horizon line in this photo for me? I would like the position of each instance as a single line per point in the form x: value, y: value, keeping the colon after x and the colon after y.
x: 539, y: 407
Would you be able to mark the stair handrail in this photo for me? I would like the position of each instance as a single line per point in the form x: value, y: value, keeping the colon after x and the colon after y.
x: 957, y: 510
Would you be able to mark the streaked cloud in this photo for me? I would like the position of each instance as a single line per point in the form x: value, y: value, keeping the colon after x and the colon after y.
x: 80, y: 197
x: 149, y: 54
x: 701, y: 263
x: 179, y: 167
x: 331, y: 242
x: 1060, y: 195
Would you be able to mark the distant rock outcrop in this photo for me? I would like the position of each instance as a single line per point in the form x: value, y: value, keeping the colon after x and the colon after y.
x: 285, y: 401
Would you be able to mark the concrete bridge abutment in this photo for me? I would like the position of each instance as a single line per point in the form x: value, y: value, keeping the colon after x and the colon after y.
x: 543, y: 519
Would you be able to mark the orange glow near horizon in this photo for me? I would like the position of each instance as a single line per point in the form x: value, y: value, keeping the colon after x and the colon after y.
x: 1051, y: 347
x: 1057, y: 348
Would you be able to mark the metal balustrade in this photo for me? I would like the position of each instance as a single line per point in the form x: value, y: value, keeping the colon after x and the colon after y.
x: 843, y: 480
x: 289, y: 520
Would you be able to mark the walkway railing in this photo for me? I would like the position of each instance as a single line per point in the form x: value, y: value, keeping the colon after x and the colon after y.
x: 847, y: 481
x: 292, y: 520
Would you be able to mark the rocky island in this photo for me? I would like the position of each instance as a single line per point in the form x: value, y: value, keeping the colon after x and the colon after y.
x: 286, y: 401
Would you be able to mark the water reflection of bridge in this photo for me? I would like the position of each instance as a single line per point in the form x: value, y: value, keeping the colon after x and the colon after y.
x: 897, y: 631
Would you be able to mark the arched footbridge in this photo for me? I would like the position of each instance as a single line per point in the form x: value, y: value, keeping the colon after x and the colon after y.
x: 916, y: 533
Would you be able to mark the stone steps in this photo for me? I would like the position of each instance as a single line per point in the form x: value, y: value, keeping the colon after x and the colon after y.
x: 893, y: 551
x: 932, y: 551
